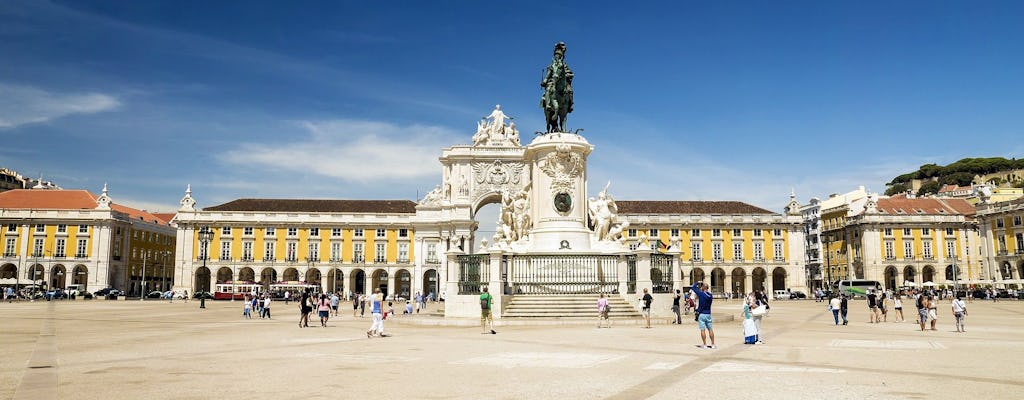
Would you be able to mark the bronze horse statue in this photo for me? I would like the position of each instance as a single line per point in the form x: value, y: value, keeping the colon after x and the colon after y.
x: 557, y: 84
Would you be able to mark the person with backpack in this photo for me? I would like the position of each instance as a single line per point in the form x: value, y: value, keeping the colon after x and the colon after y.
x: 602, y: 312
x: 486, y: 319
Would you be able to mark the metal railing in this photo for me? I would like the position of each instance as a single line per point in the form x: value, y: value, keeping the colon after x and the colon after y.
x: 563, y: 274
x: 661, y: 273
x: 631, y: 274
x: 474, y: 272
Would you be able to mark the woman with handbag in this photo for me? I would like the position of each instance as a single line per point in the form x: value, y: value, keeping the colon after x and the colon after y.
x: 760, y: 308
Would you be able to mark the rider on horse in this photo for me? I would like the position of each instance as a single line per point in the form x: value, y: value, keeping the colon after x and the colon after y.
x: 557, y: 84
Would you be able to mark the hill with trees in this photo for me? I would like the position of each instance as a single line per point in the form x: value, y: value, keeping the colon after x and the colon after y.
x: 931, y: 177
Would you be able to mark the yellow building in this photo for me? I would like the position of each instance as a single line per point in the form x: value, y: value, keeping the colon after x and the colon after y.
x: 900, y: 241
x: 59, y: 238
x: 1002, y: 242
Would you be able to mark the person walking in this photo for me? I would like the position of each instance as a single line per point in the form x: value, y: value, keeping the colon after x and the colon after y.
x: 185, y: 295
x: 362, y: 305
x: 355, y: 305
x: 959, y: 313
x: 335, y: 301
x: 675, y: 308
x: 323, y: 310
x: 486, y: 319
x: 897, y: 307
x: 266, y: 305
x: 377, y: 312
x: 703, y: 311
x: 922, y: 310
x: 646, y: 308
x: 287, y: 296
x: 602, y: 312
x: 872, y: 307
x: 882, y: 297
x: 247, y: 308
x: 305, y: 308
x: 844, y: 307
x: 933, y: 311
x: 835, y: 305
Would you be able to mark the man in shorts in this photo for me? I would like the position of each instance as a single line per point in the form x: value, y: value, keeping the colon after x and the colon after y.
x: 486, y: 319
x: 704, y: 314
x: 646, y: 309
x: 922, y: 310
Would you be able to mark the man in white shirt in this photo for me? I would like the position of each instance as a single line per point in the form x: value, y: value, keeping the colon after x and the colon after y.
x: 266, y: 305
x: 959, y: 312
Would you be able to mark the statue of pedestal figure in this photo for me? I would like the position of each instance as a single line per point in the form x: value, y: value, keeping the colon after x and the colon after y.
x: 557, y: 98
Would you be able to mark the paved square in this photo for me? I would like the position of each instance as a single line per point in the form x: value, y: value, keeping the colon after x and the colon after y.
x: 156, y: 350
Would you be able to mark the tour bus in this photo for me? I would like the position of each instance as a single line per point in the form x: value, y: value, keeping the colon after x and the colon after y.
x: 857, y: 287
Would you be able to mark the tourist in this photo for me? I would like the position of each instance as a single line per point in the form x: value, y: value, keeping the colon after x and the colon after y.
x: 9, y: 294
x: 897, y: 306
x: 959, y: 312
x: 675, y: 308
x: 287, y: 296
x: 749, y: 327
x: 758, y: 313
x: 872, y: 307
x: 335, y: 300
x: 355, y: 304
x: 408, y: 307
x: 933, y: 308
x: 323, y: 309
x: 362, y: 305
x: 834, y: 305
x: 247, y: 308
x: 305, y: 308
x: 186, y: 296
x: 691, y: 303
x: 703, y: 311
x: 486, y: 319
x: 646, y: 309
x: 419, y: 302
x: 844, y: 307
x: 602, y: 312
x: 922, y: 309
x: 266, y: 305
x: 377, y: 312
x: 882, y: 308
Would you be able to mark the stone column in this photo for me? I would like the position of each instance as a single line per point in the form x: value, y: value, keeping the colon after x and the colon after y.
x: 643, y: 269
x: 623, y: 271
x: 748, y: 281
x: 729, y: 284
x: 677, y: 271
x: 496, y: 285
x: 451, y: 287
x: 391, y: 282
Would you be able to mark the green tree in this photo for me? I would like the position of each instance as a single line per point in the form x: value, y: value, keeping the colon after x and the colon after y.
x: 930, y: 187
x: 958, y: 178
x: 896, y: 189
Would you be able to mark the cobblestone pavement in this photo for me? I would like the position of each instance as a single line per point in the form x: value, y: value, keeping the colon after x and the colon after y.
x: 155, y: 350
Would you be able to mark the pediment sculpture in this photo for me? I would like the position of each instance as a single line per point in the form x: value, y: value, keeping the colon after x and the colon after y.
x: 493, y: 131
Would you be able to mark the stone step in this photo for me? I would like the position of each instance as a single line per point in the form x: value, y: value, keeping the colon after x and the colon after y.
x: 567, y: 307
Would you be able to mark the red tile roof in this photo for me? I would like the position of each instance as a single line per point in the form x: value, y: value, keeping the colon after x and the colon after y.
x: 317, y: 206
x: 924, y: 206
x: 688, y: 207
x: 166, y: 217
x: 66, y: 200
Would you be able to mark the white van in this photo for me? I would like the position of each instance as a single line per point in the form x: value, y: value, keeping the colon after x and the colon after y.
x: 781, y: 295
x: 75, y: 289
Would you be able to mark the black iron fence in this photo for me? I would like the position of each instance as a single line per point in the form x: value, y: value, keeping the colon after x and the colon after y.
x: 661, y: 273
x: 568, y: 274
x: 631, y: 274
x: 474, y: 272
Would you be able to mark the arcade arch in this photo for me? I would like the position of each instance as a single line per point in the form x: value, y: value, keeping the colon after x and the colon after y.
x: 779, y: 278
x: 717, y: 280
x: 8, y: 271
x: 403, y: 281
x: 890, y: 279
x: 379, y: 280
x: 246, y: 274
x: 909, y: 275
x: 430, y: 281
x: 80, y: 276
x: 290, y: 275
x: 357, y: 281
x: 224, y: 274
x: 739, y: 284
x: 928, y: 274
x: 202, y: 280
x: 758, y: 276
x: 336, y: 280
x: 58, y: 276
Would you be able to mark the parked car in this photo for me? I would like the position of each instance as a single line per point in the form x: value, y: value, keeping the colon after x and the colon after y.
x: 156, y: 294
x: 56, y: 294
x: 200, y: 295
x: 107, y: 291
x: 781, y: 295
x: 796, y: 294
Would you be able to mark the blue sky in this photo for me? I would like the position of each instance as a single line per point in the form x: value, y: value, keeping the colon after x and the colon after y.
x: 683, y: 100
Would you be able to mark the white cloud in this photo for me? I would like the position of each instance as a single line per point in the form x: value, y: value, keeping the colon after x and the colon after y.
x: 353, y: 150
x: 20, y: 105
x: 150, y: 206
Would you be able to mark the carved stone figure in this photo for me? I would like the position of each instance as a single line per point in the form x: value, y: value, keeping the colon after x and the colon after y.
x: 433, y: 197
x: 557, y: 83
x: 482, y: 134
x: 562, y: 166
x: 603, y: 211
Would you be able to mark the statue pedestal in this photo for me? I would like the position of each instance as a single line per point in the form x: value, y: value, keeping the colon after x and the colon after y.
x: 559, y: 202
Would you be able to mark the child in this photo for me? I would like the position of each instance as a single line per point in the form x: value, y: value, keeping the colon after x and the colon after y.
x: 391, y: 310
x: 408, y: 307
x: 749, y: 327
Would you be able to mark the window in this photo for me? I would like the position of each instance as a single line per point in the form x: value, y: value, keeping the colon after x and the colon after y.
x: 1002, y: 245
x: 226, y: 231
x: 314, y: 231
x: 888, y: 231
x: 204, y: 251
x: 247, y: 231
x: 950, y: 249
x: 270, y: 231
x: 737, y: 251
x: 674, y: 233
x: 381, y: 232
x: 357, y: 232
x: 268, y: 251
x: 890, y: 251
x: 926, y: 231
x: 60, y: 248
x: 403, y: 253
x: 999, y: 224
x: 633, y: 246
x: 335, y: 251
x: 403, y: 233
x: 247, y: 251
x: 758, y: 251
x: 777, y: 232
x: 652, y: 233
x: 906, y: 232
x: 292, y: 232
x: 13, y: 227
x: 291, y: 252
x: 380, y: 256
x: 927, y: 246
x: 631, y: 232
x: 949, y: 231
x: 1020, y: 243
x: 716, y: 251
x: 9, y: 248
x: 42, y: 228
x: 314, y: 251
x: 357, y: 253
x: 737, y: 232
x: 62, y: 228
x: 1016, y: 220
x: 225, y: 251
x: 82, y: 250
x: 908, y: 250
x: 695, y: 251
x: 37, y: 249
x: 432, y: 253
x: 716, y: 233
x: 335, y: 232
x: 777, y: 250
x: 117, y: 250
x: 757, y: 233
x: 695, y: 233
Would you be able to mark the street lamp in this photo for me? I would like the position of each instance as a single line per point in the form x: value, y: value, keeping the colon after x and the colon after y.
x: 205, y: 236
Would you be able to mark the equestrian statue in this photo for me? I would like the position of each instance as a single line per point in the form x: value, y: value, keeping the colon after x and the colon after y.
x: 557, y: 84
